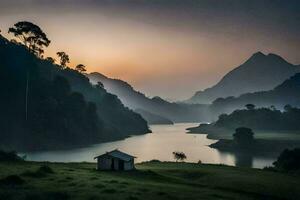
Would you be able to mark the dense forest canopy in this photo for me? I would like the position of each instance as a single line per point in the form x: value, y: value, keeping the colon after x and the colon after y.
x: 258, y: 119
x: 46, y: 105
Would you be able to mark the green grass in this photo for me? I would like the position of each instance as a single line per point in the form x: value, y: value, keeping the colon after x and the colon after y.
x: 150, y: 181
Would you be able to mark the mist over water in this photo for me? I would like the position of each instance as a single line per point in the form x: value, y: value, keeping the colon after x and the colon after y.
x: 158, y: 145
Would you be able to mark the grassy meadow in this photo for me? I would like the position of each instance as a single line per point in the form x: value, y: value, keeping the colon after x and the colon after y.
x: 151, y: 180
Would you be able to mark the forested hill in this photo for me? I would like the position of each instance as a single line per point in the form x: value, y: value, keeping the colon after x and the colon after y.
x: 62, y: 108
x: 261, y: 119
x: 176, y: 112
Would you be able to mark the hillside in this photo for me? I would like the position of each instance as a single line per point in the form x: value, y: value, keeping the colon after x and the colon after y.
x: 285, y: 93
x: 136, y: 100
x: 152, y: 180
x: 62, y: 108
x: 153, y: 118
x: 260, y: 119
x: 259, y: 73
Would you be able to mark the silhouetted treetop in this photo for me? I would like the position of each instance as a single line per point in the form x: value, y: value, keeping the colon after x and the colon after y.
x: 31, y: 36
x: 99, y: 85
x: 64, y: 58
x: 80, y: 68
x: 50, y: 59
x: 243, y: 136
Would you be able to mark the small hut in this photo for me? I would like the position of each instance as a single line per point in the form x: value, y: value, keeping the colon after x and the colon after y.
x: 115, y: 160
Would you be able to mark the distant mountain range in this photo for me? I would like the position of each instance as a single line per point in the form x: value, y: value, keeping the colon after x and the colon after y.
x: 285, y: 93
x: 175, y: 112
x: 259, y: 73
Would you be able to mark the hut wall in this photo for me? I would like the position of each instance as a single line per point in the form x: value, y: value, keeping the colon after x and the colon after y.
x: 104, y: 163
x: 129, y: 165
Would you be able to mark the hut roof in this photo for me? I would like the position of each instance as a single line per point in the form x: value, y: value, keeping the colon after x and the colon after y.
x: 118, y: 154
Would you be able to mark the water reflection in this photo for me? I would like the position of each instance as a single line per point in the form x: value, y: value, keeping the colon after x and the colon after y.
x: 157, y: 145
x: 243, y: 160
x: 248, y: 159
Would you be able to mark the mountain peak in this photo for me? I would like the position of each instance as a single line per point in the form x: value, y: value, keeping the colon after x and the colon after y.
x: 256, y: 56
x: 260, y: 72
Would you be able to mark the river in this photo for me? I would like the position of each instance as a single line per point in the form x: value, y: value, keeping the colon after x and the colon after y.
x: 157, y: 145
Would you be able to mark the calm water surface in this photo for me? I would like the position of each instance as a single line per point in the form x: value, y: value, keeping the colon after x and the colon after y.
x: 157, y: 145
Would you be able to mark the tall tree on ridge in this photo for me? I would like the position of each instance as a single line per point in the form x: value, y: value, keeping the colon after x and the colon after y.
x: 80, y: 68
x: 64, y: 58
x: 34, y: 39
x: 31, y: 36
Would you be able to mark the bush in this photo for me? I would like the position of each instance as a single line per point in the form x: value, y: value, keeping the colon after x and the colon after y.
x: 179, y: 156
x: 110, y: 191
x: 39, y: 173
x: 48, y: 196
x: 12, y: 180
x: 46, y: 169
x: 9, y: 156
x: 154, y: 161
x: 32, y: 174
x: 288, y: 160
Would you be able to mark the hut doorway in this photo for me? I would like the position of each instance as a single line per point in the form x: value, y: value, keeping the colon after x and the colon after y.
x: 112, y: 167
x: 121, y: 164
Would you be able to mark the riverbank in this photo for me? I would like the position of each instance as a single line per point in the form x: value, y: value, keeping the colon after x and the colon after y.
x: 151, y: 180
x: 258, y: 147
x: 217, y: 133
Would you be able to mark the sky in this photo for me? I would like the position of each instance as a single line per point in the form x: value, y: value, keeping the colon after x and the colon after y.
x: 167, y: 48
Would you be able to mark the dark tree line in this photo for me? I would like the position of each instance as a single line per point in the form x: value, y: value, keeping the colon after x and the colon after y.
x: 262, y: 118
x: 44, y: 113
x: 288, y: 160
x: 44, y: 105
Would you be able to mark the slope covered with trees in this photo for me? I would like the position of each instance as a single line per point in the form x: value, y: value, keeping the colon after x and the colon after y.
x: 44, y: 105
x: 263, y: 119
x: 153, y: 118
x: 176, y: 112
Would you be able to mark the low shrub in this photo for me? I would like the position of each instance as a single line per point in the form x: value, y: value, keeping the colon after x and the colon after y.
x: 132, y: 198
x: 46, y: 169
x: 110, y: 191
x: 33, y: 174
x: 40, y: 172
x: 48, y: 196
x: 9, y: 156
x: 99, y: 185
x: 154, y: 161
x: 12, y: 180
